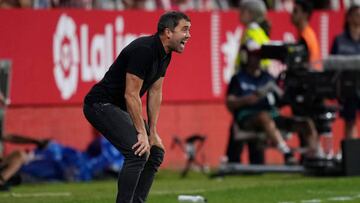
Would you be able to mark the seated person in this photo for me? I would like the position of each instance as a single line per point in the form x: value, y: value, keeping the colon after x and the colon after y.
x: 254, y: 108
x: 257, y: 28
x: 11, y: 164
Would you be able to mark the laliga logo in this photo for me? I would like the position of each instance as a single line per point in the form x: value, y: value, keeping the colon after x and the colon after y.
x: 66, y: 57
x: 83, y: 58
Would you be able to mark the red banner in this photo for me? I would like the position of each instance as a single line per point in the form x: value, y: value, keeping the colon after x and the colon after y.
x: 58, y: 55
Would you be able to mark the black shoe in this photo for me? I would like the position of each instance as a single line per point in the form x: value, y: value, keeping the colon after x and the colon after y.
x: 290, y: 159
x: 14, y: 180
x: 4, y: 187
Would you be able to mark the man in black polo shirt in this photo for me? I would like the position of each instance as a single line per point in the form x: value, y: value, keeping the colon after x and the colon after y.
x: 113, y: 106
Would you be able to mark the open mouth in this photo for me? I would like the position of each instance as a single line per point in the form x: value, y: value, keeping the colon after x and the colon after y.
x: 183, y: 42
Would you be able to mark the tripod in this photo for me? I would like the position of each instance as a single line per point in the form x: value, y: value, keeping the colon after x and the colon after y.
x: 192, y: 145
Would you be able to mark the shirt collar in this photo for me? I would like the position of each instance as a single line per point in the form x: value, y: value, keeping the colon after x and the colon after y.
x: 348, y: 35
x: 160, y: 47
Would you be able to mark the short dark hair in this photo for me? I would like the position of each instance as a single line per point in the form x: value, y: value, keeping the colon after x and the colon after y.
x: 306, y: 6
x: 170, y: 20
x: 349, y: 12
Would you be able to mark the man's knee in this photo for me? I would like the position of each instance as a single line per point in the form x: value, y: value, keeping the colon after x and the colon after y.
x: 135, y: 162
x: 156, y: 156
x: 263, y: 117
x: 307, y: 126
x: 265, y: 121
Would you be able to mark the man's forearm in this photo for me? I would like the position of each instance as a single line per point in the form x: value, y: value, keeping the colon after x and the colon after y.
x: 153, y: 104
x: 153, y: 109
x: 134, y: 106
x: 233, y: 102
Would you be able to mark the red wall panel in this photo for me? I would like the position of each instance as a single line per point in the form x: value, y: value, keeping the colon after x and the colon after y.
x: 68, y: 126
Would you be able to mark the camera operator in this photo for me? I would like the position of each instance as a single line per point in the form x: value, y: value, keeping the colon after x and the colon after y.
x: 305, y: 102
x: 300, y: 18
x: 348, y: 43
x: 251, y: 97
x: 257, y: 28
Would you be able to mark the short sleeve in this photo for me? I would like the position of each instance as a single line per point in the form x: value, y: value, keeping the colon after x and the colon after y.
x: 140, y: 59
x: 233, y: 88
x: 166, y: 65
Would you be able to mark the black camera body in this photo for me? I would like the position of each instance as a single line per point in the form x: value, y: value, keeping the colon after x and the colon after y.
x: 294, y: 56
x: 340, y: 78
x: 305, y: 90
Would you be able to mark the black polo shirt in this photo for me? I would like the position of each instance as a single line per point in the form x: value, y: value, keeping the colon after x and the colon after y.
x: 145, y: 57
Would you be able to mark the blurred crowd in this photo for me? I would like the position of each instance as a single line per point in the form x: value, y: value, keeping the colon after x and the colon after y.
x: 182, y: 5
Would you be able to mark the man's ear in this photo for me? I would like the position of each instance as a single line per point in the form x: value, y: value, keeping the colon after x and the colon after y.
x: 168, y: 33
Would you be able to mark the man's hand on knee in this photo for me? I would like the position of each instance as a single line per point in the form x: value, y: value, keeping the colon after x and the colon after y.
x: 142, y: 146
x: 155, y: 140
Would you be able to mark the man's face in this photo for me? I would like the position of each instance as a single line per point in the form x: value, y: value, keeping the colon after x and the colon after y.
x: 354, y: 18
x: 297, y: 15
x: 253, y: 61
x: 179, y: 36
x: 245, y: 16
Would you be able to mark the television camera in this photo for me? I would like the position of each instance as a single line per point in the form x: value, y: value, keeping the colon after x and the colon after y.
x: 305, y: 90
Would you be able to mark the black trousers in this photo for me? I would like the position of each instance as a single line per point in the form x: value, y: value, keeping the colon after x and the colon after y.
x: 137, y: 175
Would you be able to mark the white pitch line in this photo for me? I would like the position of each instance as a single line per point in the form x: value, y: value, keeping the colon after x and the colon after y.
x: 354, y: 193
x: 338, y: 199
x: 179, y: 192
x: 40, y: 194
x: 311, y: 201
x: 335, y: 199
x: 167, y: 192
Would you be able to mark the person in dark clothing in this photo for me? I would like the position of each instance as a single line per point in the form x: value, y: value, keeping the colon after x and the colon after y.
x: 251, y: 98
x: 348, y: 43
x: 300, y: 18
x: 113, y: 106
x: 256, y: 33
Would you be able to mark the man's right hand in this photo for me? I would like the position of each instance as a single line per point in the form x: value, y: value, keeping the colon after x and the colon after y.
x: 252, y: 99
x: 142, y: 146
